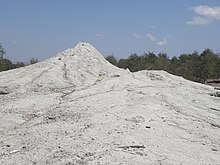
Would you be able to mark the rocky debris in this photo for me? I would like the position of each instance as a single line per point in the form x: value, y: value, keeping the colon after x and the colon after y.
x: 215, y: 125
x: 132, y: 146
x: 214, y: 109
x: 216, y: 94
x: 3, y: 91
x: 214, y: 149
x: 217, y: 88
x: 136, y: 119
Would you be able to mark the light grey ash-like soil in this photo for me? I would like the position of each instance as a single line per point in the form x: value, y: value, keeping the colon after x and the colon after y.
x: 76, y: 109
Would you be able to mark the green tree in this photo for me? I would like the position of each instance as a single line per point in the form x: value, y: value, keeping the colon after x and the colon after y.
x: 189, y: 66
x: 112, y: 60
x: 150, y: 60
x: 208, y: 64
x: 194, y: 60
x: 2, y: 52
x: 19, y: 64
x: 33, y: 60
x: 123, y: 63
x: 162, y: 62
x: 135, y: 63
x: 5, y: 64
x: 174, y: 66
x: 217, y: 69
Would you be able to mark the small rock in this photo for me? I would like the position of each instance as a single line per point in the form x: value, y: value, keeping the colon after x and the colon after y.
x: 3, y: 93
x: 8, y: 145
x: 136, y: 119
x: 214, y: 149
x: 51, y: 117
x: 217, y: 94
x: 215, y: 125
x: 217, y: 88
x: 116, y: 75
x: 147, y: 126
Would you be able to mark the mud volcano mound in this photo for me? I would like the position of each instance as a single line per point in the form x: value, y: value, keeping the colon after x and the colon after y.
x: 76, y: 108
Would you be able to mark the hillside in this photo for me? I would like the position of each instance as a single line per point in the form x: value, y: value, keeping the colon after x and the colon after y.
x: 76, y: 108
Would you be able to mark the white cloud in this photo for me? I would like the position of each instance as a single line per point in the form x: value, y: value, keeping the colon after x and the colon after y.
x: 162, y: 42
x: 13, y: 42
x: 137, y: 36
x: 199, y: 21
x: 151, y: 37
x: 205, y: 15
x: 206, y: 11
x: 99, y: 35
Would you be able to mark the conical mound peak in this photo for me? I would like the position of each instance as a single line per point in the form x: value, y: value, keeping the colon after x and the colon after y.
x: 79, y: 66
x: 82, y: 51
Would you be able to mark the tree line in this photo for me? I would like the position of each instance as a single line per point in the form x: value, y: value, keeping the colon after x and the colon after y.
x: 6, y: 64
x: 195, y: 66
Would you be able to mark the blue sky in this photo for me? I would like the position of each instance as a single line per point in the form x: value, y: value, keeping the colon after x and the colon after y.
x: 42, y: 28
